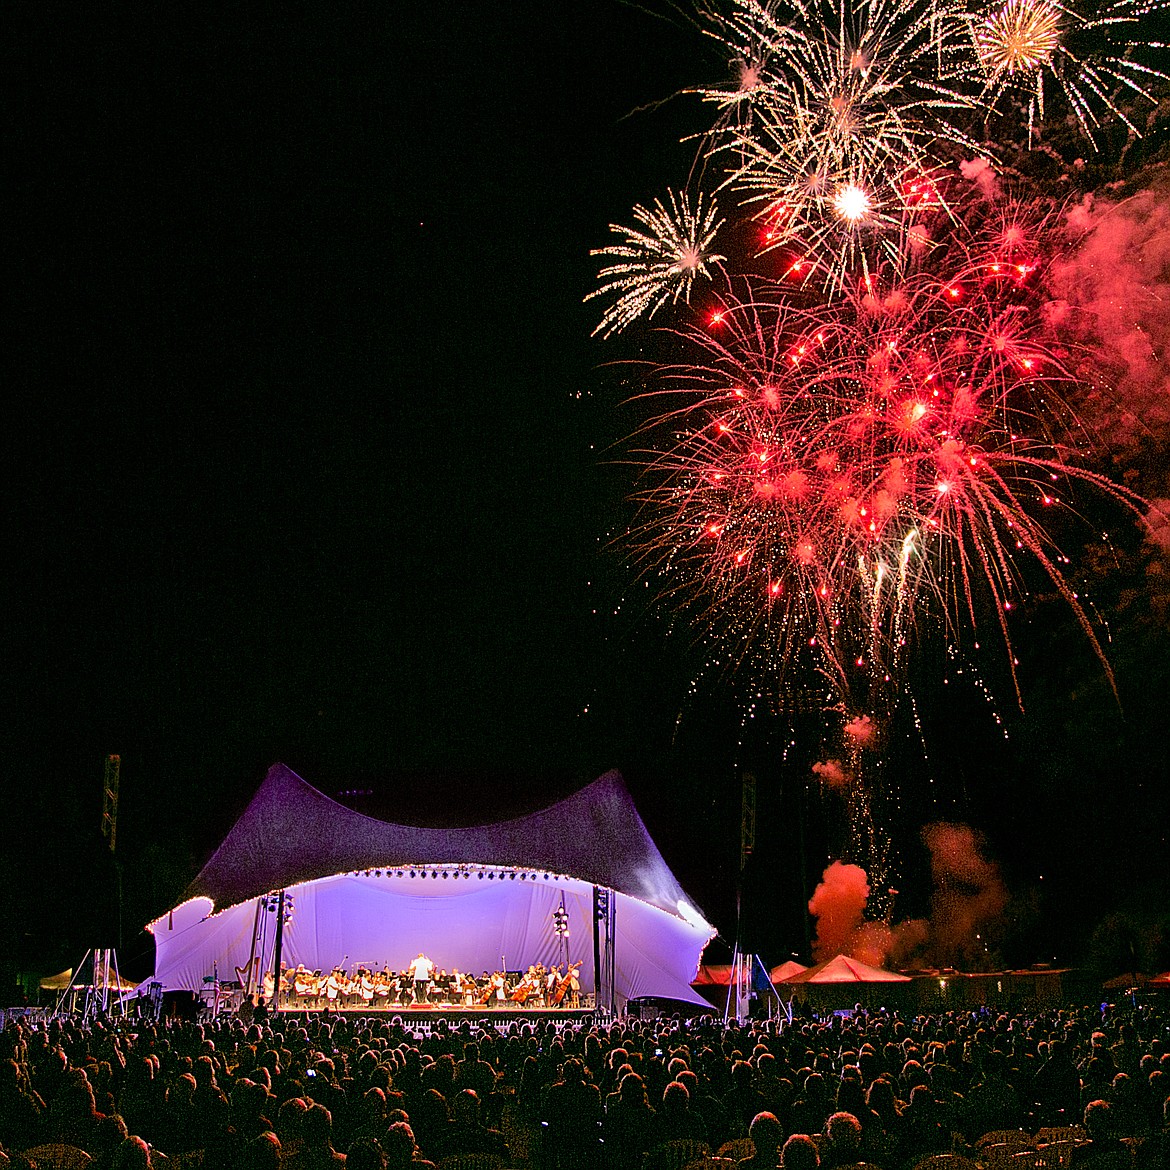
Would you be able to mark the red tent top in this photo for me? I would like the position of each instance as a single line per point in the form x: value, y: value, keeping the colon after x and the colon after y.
x: 786, y: 971
x: 843, y: 969
x: 713, y: 975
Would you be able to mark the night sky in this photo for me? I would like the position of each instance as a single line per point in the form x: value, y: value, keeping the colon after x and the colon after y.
x: 310, y: 457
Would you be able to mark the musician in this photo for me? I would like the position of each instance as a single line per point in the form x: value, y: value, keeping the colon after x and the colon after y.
x: 382, y: 988
x: 366, y: 986
x: 421, y: 972
x: 551, y: 978
x: 304, y: 985
x: 333, y: 988
x: 499, y: 988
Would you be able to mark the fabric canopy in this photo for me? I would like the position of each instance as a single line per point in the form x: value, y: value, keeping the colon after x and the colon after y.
x: 366, y: 892
x: 786, y: 971
x: 713, y: 975
x: 843, y: 969
x: 292, y: 833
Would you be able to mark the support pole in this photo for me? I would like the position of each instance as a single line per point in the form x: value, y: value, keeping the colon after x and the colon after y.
x: 277, y: 953
x: 598, y: 913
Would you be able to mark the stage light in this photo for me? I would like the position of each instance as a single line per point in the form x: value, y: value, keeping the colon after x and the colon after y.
x: 444, y: 875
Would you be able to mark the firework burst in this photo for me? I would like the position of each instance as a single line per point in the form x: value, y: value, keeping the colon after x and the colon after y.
x: 660, y: 263
x: 873, y: 427
x: 850, y: 105
x: 1026, y: 46
x: 833, y: 473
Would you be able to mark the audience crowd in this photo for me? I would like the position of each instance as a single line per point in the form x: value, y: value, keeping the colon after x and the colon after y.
x: 376, y: 1092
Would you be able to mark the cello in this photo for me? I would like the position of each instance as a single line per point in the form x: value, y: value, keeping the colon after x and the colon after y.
x: 564, y: 984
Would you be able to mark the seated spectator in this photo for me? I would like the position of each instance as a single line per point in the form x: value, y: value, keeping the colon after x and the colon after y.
x: 766, y: 1134
x: 676, y: 1120
x: 1102, y: 1151
x: 799, y: 1153
x: 466, y: 1133
x: 261, y: 1153
x: 365, y: 1154
x: 842, y: 1141
x: 133, y: 1154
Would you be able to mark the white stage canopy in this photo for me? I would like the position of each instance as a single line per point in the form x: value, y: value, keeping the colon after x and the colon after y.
x: 366, y: 892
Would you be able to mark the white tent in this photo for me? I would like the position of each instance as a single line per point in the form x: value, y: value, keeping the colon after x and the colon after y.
x: 369, y: 892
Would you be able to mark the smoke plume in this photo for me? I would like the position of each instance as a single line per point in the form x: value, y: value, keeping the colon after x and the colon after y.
x: 968, y: 899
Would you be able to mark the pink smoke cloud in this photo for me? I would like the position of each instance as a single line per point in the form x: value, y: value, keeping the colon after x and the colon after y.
x: 833, y: 774
x: 968, y: 900
x: 980, y: 172
x: 969, y: 894
x: 1112, y: 287
x: 862, y: 730
x: 838, y: 905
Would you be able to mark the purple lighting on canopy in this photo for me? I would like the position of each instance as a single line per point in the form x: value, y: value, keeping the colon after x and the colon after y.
x: 293, y: 837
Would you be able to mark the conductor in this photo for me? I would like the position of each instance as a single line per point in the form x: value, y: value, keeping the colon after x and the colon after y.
x: 421, y: 971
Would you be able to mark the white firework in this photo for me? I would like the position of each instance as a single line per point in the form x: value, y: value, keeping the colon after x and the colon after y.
x: 857, y: 97
x: 1030, y: 46
x: 660, y: 263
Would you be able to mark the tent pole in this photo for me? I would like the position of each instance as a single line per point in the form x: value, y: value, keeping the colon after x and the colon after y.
x: 597, y: 911
x: 277, y: 953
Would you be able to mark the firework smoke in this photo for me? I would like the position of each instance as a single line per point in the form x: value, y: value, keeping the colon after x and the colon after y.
x: 874, y: 420
x: 968, y: 901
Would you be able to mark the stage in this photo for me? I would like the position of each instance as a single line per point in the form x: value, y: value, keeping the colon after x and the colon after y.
x: 428, y: 1016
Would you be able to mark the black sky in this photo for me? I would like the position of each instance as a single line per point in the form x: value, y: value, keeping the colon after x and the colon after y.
x: 307, y: 459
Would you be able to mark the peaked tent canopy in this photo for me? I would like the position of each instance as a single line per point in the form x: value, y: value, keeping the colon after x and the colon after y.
x: 843, y: 969
x: 786, y: 971
x: 292, y: 833
x: 354, y: 885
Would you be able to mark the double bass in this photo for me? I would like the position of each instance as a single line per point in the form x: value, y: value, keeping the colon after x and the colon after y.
x: 563, y: 985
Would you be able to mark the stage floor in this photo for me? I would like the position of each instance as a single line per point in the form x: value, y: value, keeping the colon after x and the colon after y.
x: 430, y: 1015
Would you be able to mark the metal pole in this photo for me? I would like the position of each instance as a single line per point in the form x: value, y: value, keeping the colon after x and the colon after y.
x: 596, y: 948
x: 277, y: 952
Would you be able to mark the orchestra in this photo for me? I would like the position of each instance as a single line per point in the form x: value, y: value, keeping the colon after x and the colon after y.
x: 422, y: 983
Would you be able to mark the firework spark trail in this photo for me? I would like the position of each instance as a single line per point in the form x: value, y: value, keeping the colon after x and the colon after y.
x: 659, y: 264
x: 878, y: 433
x: 1022, y: 46
x: 838, y: 469
x: 849, y: 106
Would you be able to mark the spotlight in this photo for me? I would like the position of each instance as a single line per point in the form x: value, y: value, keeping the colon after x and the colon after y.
x: 445, y: 875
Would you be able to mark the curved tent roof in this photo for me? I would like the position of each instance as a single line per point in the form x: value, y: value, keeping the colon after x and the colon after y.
x: 291, y: 833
